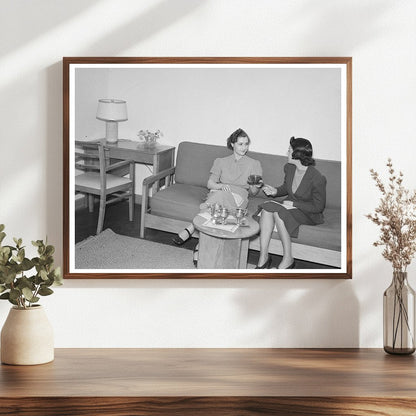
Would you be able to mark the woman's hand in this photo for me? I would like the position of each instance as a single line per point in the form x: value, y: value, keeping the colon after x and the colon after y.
x: 217, y: 186
x: 269, y: 190
x: 224, y: 187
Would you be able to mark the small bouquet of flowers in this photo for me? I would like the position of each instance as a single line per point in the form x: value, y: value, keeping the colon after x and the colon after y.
x: 149, y: 137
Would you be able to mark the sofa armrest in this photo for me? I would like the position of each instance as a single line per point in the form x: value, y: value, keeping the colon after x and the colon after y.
x: 148, y: 182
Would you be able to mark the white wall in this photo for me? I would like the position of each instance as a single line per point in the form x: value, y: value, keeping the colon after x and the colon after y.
x: 380, y: 36
x: 207, y: 104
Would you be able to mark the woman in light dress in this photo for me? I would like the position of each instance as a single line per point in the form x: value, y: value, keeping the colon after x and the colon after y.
x: 228, y: 181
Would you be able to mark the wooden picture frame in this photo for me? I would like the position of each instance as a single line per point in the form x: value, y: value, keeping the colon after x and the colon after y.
x: 197, y: 103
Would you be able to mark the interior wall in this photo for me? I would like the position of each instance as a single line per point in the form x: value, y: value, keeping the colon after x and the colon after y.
x: 380, y: 36
x: 206, y: 105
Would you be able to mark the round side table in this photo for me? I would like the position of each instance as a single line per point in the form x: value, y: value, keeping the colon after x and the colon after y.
x: 222, y: 249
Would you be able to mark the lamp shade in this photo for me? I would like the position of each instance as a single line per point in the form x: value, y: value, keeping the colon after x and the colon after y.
x: 111, y: 110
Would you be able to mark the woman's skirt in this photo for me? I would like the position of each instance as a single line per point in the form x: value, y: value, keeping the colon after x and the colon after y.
x: 292, y: 218
x: 236, y: 198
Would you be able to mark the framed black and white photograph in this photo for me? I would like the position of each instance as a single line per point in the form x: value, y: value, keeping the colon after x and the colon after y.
x: 207, y: 167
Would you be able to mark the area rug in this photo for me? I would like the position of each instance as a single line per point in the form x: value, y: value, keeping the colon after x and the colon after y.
x: 109, y: 250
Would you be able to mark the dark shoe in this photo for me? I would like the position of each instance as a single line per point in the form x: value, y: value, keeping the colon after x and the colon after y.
x: 196, y: 255
x: 291, y: 266
x: 178, y: 240
x: 266, y: 265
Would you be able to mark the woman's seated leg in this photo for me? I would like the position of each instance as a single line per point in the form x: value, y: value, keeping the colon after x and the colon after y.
x: 287, y: 260
x: 266, y: 230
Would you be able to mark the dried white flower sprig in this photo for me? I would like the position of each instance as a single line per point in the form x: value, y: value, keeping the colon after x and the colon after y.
x: 396, y: 216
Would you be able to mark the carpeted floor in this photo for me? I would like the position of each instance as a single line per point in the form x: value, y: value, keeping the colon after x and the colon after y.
x: 109, y: 250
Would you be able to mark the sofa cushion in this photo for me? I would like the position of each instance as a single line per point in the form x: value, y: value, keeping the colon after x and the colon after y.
x: 181, y: 202
x: 326, y: 235
x: 178, y: 201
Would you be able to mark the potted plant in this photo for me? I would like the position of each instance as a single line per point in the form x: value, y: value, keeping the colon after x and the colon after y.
x: 27, y: 336
x: 396, y: 217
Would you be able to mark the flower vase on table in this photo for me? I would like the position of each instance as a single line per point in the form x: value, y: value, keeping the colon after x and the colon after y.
x: 149, y: 138
x: 399, y: 316
x: 396, y: 217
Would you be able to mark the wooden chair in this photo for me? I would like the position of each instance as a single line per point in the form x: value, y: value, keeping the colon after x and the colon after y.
x: 102, y: 177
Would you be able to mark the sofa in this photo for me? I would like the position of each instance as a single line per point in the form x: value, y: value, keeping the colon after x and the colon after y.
x: 182, y: 188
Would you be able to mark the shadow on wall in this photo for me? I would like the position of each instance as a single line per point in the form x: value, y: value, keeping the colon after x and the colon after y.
x: 141, y: 27
x: 37, y: 17
x: 155, y: 19
x: 301, y: 314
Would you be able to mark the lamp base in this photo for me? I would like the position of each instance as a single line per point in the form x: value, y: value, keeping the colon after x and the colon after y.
x: 111, y: 131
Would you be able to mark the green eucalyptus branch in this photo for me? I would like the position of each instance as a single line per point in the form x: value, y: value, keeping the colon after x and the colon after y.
x: 15, y: 286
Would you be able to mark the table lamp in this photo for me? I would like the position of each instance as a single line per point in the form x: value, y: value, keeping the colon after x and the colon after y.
x: 111, y: 111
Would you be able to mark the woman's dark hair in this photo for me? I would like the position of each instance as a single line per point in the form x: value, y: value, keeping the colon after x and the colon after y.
x: 302, y: 150
x: 234, y: 137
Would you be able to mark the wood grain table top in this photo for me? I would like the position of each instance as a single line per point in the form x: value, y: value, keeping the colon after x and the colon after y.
x: 212, y: 381
x: 214, y: 372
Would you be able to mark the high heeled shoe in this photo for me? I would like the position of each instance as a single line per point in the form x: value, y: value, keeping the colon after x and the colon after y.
x: 266, y: 265
x: 178, y: 240
x: 291, y: 266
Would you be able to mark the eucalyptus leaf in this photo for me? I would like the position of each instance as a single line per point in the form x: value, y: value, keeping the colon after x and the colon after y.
x: 18, y: 242
x: 21, y: 255
x: 26, y: 264
x: 43, y: 275
x: 1, y: 227
x: 8, y: 277
x: 24, y: 282
x: 45, y: 291
x: 27, y: 293
x: 15, y: 294
x: 49, y: 250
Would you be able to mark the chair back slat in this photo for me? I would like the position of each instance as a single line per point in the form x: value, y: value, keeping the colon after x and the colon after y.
x: 92, y: 156
x: 87, y: 166
x: 94, y: 178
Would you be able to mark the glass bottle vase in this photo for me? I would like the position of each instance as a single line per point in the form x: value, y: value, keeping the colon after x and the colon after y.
x: 399, y: 316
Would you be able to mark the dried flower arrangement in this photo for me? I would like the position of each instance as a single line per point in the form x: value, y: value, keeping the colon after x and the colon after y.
x: 396, y: 216
x: 149, y: 137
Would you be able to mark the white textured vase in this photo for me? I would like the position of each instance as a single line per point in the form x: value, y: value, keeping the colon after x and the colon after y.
x: 27, y: 337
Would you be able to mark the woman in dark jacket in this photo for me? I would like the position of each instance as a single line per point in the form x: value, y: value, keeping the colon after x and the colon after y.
x: 305, y: 190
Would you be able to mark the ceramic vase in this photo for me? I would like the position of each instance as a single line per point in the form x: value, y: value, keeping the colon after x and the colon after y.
x: 399, y: 316
x: 27, y: 337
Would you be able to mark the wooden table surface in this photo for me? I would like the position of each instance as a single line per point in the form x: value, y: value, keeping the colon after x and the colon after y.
x: 212, y: 382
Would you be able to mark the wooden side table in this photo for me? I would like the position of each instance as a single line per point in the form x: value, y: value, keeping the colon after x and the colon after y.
x: 160, y: 156
x: 221, y: 249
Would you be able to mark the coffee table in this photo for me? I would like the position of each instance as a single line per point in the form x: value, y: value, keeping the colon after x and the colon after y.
x: 221, y: 249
